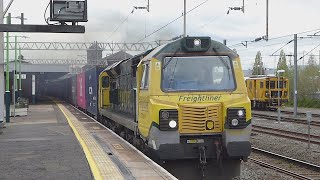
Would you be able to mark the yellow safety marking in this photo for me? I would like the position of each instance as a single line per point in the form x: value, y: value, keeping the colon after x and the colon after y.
x: 101, y: 165
x: 117, y: 146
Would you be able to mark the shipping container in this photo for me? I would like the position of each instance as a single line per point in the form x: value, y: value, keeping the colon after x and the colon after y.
x: 92, y: 76
x: 74, y: 90
x: 68, y: 90
x: 81, y: 91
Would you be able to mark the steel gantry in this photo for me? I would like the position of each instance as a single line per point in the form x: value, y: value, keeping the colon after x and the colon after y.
x: 80, y: 46
x: 58, y: 61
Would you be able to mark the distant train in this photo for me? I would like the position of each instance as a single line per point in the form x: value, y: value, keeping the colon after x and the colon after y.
x: 263, y: 91
x: 183, y: 100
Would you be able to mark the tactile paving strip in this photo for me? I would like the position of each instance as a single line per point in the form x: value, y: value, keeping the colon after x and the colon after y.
x: 106, y: 169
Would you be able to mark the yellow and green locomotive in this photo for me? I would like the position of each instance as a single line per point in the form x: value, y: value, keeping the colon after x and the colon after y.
x: 182, y: 100
x: 265, y: 92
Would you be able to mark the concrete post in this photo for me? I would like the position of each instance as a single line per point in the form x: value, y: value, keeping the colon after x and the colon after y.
x: 15, y: 69
x: 185, y: 19
x: 20, y: 86
x: 8, y: 101
x: 295, y: 79
x: 33, y: 89
x: 1, y: 70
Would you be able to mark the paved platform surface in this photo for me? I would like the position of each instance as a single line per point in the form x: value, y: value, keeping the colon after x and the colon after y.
x: 41, y: 146
x: 114, y: 157
x: 57, y: 141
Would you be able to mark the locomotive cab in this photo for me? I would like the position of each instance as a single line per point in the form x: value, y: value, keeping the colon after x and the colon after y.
x: 192, y: 98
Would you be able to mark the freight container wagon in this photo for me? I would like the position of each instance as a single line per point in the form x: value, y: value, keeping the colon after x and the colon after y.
x: 81, y: 91
x: 92, y: 74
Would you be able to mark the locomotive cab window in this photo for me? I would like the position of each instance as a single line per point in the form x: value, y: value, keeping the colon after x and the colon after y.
x: 205, y: 73
x: 105, y: 82
x: 145, y: 77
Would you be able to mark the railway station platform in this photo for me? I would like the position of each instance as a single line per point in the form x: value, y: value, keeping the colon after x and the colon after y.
x: 56, y: 141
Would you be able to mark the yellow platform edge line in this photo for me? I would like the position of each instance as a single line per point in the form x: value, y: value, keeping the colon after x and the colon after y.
x: 93, y: 166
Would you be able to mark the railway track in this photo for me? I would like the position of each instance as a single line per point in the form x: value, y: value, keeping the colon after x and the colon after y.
x: 286, y: 165
x: 300, y: 113
x: 314, y: 139
x: 285, y: 119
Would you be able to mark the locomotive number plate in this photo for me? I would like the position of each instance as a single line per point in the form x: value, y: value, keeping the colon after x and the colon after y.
x: 195, y: 141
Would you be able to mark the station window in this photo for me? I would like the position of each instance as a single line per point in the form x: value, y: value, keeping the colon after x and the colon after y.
x: 267, y: 84
x: 261, y: 84
x: 145, y: 77
x: 105, y: 82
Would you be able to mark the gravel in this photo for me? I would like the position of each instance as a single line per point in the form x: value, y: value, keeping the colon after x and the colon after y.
x: 291, y: 148
x: 287, y: 147
x: 289, y: 126
x: 250, y: 170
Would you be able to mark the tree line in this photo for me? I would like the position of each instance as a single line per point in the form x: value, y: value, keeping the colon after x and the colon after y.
x: 308, y: 75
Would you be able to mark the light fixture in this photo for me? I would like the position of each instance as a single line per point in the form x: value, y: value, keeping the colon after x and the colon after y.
x: 240, y: 113
x: 234, y: 122
x: 197, y: 42
x: 165, y: 114
x: 173, y: 124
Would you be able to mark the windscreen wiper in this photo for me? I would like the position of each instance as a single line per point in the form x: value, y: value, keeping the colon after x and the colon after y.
x: 222, y: 60
x: 165, y: 65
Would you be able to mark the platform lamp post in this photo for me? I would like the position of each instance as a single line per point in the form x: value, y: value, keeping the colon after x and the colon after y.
x: 17, y: 67
x: 279, y: 110
x: 16, y: 94
x: 20, y: 84
x: 7, y: 94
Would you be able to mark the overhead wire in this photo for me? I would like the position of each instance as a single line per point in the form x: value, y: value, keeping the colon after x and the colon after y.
x: 308, y: 52
x: 279, y: 37
x: 268, y: 45
x: 206, y: 24
x: 124, y: 20
x: 159, y: 29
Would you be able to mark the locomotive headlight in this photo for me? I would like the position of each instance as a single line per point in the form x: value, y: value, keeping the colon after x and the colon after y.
x: 168, y: 119
x: 165, y: 114
x: 197, y: 42
x: 236, y: 118
x: 235, y: 122
x: 240, y: 113
x: 173, y: 124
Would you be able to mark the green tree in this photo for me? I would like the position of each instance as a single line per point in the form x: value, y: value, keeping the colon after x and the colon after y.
x: 282, y: 64
x: 258, y: 68
x: 308, y: 82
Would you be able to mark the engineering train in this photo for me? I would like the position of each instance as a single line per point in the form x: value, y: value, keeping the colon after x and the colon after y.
x: 186, y: 99
x: 263, y: 91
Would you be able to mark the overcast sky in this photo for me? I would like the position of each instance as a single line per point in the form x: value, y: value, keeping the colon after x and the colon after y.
x: 211, y: 19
